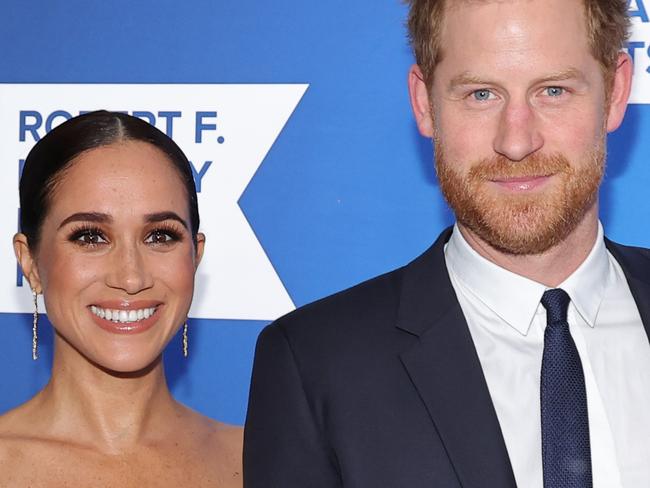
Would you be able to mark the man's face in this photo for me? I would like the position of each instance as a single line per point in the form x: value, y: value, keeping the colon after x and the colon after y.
x: 518, y: 117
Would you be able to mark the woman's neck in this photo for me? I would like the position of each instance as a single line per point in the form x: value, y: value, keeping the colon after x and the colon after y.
x: 104, y: 410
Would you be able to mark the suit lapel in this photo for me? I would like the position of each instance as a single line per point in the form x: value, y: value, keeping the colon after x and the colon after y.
x: 447, y: 374
x: 635, y: 263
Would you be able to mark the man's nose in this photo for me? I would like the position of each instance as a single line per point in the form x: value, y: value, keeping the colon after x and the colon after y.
x: 518, y: 133
x: 128, y: 270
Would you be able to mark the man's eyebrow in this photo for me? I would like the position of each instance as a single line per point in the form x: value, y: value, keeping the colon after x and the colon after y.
x: 468, y: 78
x: 98, y: 217
x: 162, y: 216
x: 567, y: 74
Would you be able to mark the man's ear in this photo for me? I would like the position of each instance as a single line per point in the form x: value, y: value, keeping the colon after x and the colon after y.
x: 420, y: 102
x: 620, y: 91
x: 27, y: 262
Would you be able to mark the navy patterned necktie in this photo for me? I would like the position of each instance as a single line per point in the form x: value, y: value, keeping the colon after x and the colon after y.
x: 566, y: 454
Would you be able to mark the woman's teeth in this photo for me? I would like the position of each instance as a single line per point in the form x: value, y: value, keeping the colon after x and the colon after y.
x: 123, y: 316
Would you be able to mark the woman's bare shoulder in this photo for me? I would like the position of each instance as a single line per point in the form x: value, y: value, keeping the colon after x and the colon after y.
x: 18, y: 422
x: 209, y: 449
x: 218, y: 435
x: 220, y: 445
x: 18, y: 441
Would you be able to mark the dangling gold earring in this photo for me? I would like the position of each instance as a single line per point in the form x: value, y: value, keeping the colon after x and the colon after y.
x: 185, y: 339
x: 35, y: 327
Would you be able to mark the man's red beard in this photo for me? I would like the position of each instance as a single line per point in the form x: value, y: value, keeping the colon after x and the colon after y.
x: 522, y: 223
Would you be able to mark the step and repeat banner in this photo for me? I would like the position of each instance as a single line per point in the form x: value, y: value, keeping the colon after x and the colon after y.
x: 310, y: 171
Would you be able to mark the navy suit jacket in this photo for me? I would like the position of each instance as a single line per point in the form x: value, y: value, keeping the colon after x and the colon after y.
x: 380, y: 386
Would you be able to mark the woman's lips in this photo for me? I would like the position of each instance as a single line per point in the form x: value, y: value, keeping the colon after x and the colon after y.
x: 125, y: 318
x: 523, y: 183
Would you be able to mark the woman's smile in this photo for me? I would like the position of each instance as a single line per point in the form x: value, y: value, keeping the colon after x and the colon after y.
x: 124, y: 317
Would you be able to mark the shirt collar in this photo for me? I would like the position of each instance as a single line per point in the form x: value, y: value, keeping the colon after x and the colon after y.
x: 586, y: 285
x: 515, y: 298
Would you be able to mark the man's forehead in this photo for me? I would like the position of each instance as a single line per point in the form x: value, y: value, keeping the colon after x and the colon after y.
x: 476, y: 23
x: 451, y: 5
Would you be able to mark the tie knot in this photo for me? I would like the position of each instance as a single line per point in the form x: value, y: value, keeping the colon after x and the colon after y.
x: 556, y: 303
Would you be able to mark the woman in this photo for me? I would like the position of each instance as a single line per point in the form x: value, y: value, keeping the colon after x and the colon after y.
x: 110, y: 237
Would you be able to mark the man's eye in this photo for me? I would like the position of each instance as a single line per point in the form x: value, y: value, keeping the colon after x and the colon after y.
x: 554, y: 91
x: 482, y: 95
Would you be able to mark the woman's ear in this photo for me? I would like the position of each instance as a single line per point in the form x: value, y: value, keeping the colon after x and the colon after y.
x: 200, y: 247
x: 27, y: 262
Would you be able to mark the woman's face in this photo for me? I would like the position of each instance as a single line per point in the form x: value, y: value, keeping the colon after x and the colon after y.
x: 116, y: 260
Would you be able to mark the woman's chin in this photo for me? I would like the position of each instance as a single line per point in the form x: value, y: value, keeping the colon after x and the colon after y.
x: 127, y: 365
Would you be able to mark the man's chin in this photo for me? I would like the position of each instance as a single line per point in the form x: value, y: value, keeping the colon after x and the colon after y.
x: 516, y: 238
x: 514, y: 222
x: 522, y: 224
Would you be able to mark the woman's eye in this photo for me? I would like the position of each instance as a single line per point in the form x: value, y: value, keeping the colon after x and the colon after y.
x: 90, y: 238
x: 160, y: 237
x: 554, y: 91
x: 482, y: 95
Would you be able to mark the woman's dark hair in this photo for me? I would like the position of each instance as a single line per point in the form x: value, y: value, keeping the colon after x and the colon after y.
x: 55, y: 152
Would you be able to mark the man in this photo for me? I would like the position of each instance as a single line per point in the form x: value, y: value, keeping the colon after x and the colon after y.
x: 514, y: 352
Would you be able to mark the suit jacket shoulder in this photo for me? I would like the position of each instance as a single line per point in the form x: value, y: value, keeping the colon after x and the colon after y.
x: 366, y: 304
x: 357, y: 325
x: 634, y: 260
x: 379, y: 300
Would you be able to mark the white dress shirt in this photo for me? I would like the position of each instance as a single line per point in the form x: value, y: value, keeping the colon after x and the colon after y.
x: 507, y: 321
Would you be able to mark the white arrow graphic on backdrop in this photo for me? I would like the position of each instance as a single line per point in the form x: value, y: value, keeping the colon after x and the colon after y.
x: 240, y: 122
x: 241, y: 283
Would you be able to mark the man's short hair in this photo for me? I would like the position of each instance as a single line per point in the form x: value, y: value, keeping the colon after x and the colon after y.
x: 607, y: 28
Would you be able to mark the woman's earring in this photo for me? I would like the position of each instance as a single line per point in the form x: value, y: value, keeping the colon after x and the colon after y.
x: 185, y: 339
x: 35, y: 327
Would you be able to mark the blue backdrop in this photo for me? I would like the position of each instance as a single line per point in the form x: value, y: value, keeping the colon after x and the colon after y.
x: 346, y: 192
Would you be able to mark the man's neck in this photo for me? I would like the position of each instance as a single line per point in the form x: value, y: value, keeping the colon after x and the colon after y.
x: 551, y: 267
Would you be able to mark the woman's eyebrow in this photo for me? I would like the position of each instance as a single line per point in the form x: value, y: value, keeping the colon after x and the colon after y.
x: 100, y: 218
x: 162, y: 216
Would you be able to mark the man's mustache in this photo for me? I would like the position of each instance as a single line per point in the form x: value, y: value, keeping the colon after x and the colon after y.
x: 536, y: 165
